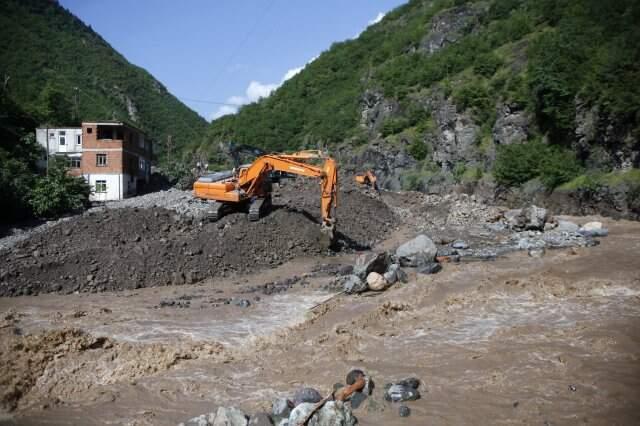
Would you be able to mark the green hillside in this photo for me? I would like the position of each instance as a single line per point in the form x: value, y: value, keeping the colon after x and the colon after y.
x: 570, y: 69
x: 46, y: 53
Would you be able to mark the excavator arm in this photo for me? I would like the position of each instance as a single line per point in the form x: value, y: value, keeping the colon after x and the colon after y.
x: 251, y: 179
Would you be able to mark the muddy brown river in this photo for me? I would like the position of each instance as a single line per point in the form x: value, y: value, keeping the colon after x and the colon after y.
x: 520, y: 340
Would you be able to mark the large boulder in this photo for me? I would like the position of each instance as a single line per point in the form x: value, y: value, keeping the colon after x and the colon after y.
x: 531, y: 218
x: 417, y: 252
x: 332, y: 413
x: 281, y: 407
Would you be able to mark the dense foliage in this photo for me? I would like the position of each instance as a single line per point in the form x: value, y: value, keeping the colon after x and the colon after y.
x: 26, y: 191
x: 58, y: 192
x: 52, y: 63
x: 518, y: 163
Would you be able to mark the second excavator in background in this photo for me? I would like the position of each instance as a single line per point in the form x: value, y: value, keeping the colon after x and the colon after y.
x: 248, y: 188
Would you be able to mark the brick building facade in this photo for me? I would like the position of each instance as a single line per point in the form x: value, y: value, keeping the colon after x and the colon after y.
x: 114, y: 157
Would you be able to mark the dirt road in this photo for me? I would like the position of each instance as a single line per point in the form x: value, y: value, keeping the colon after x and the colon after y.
x: 552, y: 340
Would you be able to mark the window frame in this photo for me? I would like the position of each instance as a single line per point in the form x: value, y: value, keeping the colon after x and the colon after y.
x: 100, y: 186
x: 73, y: 160
x: 62, y: 138
x: 98, y: 157
x: 79, y: 139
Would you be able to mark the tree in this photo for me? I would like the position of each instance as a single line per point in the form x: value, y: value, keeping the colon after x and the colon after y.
x: 58, y: 192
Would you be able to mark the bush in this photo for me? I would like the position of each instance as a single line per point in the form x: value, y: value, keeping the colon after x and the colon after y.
x: 487, y: 65
x: 418, y: 150
x: 58, y: 192
x: 519, y: 163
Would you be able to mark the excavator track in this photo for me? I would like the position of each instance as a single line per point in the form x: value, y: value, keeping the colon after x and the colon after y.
x: 215, y: 211
x: 258, y: 207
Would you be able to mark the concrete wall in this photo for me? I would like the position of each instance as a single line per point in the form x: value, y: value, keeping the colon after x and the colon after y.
x: 71, y: 137
x: 115, y: 186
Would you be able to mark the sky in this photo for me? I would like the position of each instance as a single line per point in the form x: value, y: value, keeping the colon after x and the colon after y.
x: 225, y: 51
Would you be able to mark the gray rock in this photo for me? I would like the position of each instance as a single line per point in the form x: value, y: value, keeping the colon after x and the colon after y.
x: 243, y: 303
x: 357, y: 399
x: 333, y: 413
x: 303, y: 395
x: 354, y: 284
x: 511, y: 126
x: 593, y: 229
x: 460, y: 245
x: 537, y: 252
x: 566, y: 226
x: 431, y: 268
x: 391, y: 276
x: 402, y: 275
x: 417, y: 252
x: 371, y: 262
x: 404, y: 411
x: 201, y: 420
x: 412, y: 382
x: 284, y: 422
x: 535, y: 218
x: 230, y: 416
x: 530, y: 243
x: 396, y: 393
x: 260, y: 419
x: 281, y: 407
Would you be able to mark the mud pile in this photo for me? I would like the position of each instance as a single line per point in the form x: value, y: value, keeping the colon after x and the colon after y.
x: 117, y: 249
x: 38, y: 366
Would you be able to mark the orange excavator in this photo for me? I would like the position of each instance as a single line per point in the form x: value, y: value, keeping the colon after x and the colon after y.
x: 368, y: 179
x: 249, y: 187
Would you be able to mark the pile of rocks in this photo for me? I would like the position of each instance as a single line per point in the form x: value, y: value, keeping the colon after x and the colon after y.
x: 307, y: 406
x: 379, y: 271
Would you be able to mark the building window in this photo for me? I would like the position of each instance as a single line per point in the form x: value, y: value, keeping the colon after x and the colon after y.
x: 101, y: 186
x: 142, y: 165
x: 89, y: 130
x: 78, y: 139
x: 101, y: 160
x: 119, y: 133
x: 105, y: 132
x: 141, y: 143
x: 74, y: 163
x: 62, y: 138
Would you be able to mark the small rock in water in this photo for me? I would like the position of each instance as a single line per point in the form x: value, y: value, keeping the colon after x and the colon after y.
x: 460, y: 245
x: 396, y: 393
x: 404, y: 411
x: 354, y: 375
x: 243, y: 303
x: 303, y: 395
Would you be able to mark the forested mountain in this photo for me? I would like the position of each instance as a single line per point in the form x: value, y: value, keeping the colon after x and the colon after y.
x: 57, y: 69
x: 444, y: 92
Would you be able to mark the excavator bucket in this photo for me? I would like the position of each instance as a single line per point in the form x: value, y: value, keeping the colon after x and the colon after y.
x: 327, y: 237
